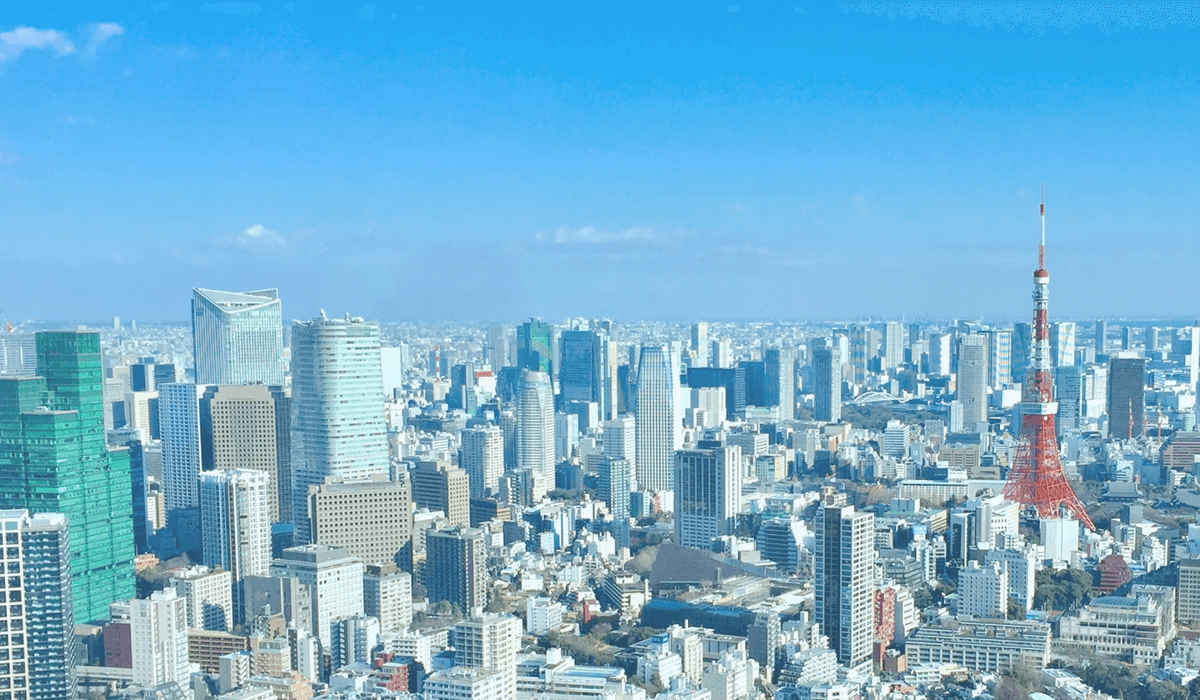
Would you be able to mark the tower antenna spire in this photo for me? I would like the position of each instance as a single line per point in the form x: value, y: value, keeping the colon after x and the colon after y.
x: 1042, y: 247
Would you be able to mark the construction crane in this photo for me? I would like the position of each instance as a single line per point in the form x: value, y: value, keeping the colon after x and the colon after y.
x: 13, y: 329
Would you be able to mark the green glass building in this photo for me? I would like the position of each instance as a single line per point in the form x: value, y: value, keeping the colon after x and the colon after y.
x: 53, y: 459
x: 535, y: 346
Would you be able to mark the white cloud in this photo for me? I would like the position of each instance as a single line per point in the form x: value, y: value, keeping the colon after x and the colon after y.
x: 590, y: 234
x: 14, y: 42
x: 102, y: 33
x: 259, y: 236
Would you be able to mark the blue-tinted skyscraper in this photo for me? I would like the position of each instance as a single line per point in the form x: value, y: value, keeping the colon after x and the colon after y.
x: 238, y: 337
x: 535, y: 346
x: 337, y: 400
x: 589, y: 370
x: 655, y: 424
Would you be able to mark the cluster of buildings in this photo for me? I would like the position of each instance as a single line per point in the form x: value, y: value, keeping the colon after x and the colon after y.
x: 339, y: 508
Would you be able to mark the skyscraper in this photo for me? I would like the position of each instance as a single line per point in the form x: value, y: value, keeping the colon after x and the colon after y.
x: 235, y: 527
x: 999, y: 358
x: 442, y: 486
x: 1068, y: 386
x: 845, y: 581
x: 708, y: 491
x: 971, y: 381
x: 456, y: 567
x: 535, y: 431
x: 827, y: 377
x: 482, y: 458
x: 535, y: 346
x: 1022, y: 350
x: 615, y: 482
x: 1062, y: 343
x: 496, y: 352
x: 781, y: 380
x: 237, y: 337
x: 939, y: 353
x: 589, y: 368
x: 55, y: 461
x: 182, y: 449
x: 700, y: 346
x: 37, y: 560
x: 1101, y: 336
x: 337, y: 398
x: 860, y: 352
x: 244, y: 427
x: 1126, y: 397
x: 655, y: 419
x: 893, y: 344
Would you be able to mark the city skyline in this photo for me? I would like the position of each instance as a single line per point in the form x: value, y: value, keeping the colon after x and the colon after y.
x: 866, y: 164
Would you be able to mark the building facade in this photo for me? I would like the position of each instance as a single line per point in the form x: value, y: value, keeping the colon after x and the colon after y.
x: 237, y: 338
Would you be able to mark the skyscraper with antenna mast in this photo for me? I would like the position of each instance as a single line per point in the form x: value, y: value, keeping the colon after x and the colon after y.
x: 1037, y: 479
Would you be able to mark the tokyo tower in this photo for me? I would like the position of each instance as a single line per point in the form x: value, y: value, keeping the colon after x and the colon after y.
x: 1036, y: 478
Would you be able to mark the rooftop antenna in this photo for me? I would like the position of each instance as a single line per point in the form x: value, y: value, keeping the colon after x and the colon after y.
x: 1042, y: 247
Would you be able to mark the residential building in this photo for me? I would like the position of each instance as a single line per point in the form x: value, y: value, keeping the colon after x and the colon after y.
x: 182, y: 448
x: 827, y: 377
x: 159, y: 637
x: 466, y: 684
x: 482, y: 458
x: 844, y: 604
x: 489, y: 642
x: 971, y: 381
x: 440, y: 486
x: 235, y: 532
x: 387, y: 596
x: 983, y: 590
x: 535, y: 432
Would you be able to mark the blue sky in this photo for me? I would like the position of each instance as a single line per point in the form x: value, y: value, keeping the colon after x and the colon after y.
x: 723, y: 160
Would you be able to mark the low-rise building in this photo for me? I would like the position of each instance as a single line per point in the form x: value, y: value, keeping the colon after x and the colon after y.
x: 981, y: 645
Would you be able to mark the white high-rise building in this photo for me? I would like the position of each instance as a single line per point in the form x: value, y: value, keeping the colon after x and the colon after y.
x: 238, y: 337
x: 209, y: 596
x: 482, y: 458
x: 490, y: 642
x: 535, y: 431
x: 845, y: 566
x: 235, y: 524
x: 897, y: 437
x: 334, y: 580
x: 939, y: 354
x: 708, y: 490
x: 893, y: 344
x: 158, y: 633
x: 655, y: 420
x: 1021, y: 565
x: 972, y: 379
x: 1062, y: 343
x: 182, y: 452
x: 983, y: 590
x: 619, y: 438
x: 700, y: 347
x: 393, y: 362
x: 337, y: 402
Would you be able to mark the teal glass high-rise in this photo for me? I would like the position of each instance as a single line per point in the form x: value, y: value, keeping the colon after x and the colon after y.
x: 53, y: 459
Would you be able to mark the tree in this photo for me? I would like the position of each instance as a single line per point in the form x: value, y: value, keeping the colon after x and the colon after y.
x: 1016, y: 611
x: 1017, y: 683
x: 1062, y: 590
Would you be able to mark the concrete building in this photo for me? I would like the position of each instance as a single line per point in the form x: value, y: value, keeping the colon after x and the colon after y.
x: 159, y: 637
x: 1126, y: 397
x: 543, y: 615
x: 827, y: 377
x: 707, y: 493
x: 489, y: 642
x: 1188, y: 608
x: 456, y: 567
x: 465, y: 684
x: 440, y: 486
x: 1135, y: 629
x: 209, y: 596
x: 387, y: 596
x: 234, y: 525
x: 482, y: 458
x: 372, y: 519
x: 334, y: 579
x: 987, y: 646
x: 249, y: 428
x: 983, y: 590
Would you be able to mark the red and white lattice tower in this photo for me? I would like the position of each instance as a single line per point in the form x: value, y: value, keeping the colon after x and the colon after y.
x: 1036, y: 479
